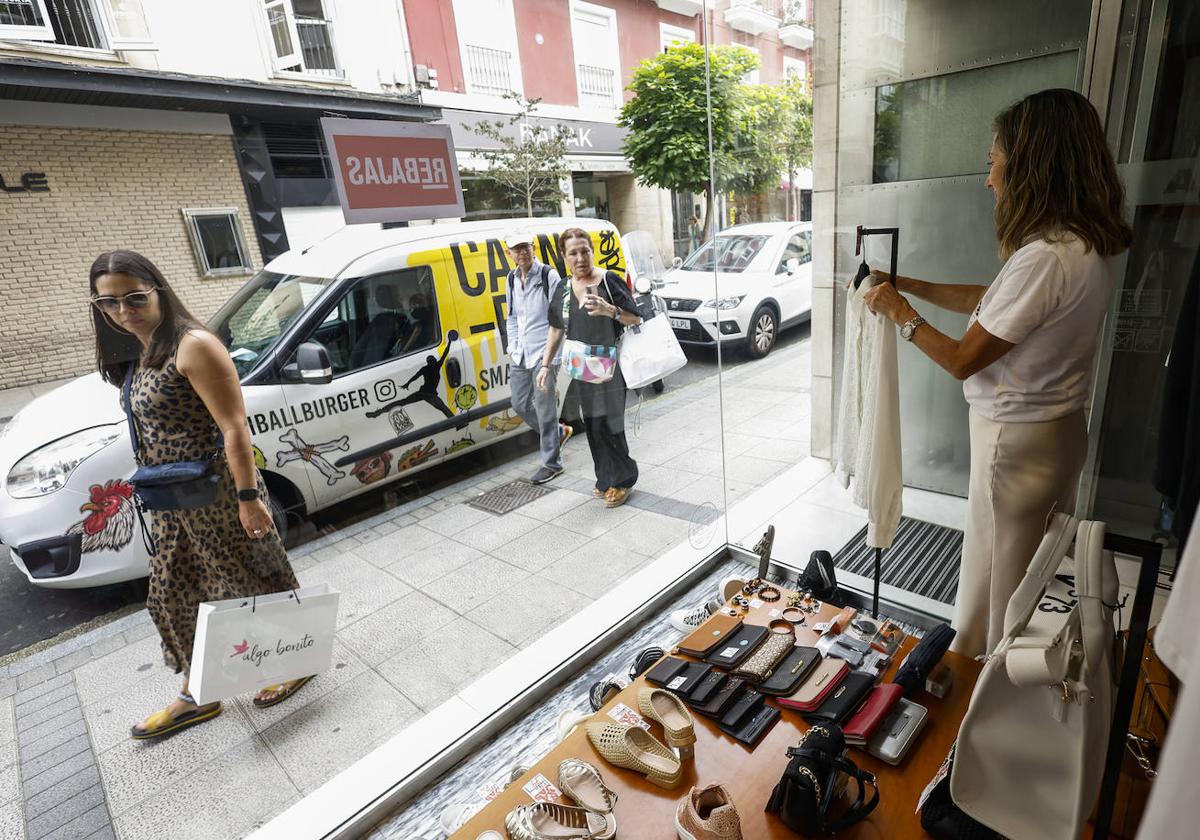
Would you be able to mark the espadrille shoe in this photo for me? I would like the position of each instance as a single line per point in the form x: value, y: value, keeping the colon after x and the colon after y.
x: 678, y: 725
x: 636, y: 749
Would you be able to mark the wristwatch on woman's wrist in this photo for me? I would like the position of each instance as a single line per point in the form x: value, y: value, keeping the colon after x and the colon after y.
x: 910, y: 327
x: 250, y: 494
x: 616, y: 313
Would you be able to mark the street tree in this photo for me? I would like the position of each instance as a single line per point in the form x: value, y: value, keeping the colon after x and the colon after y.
x: 796, y: 134
x: 677, y: 101
x: 531, y: 156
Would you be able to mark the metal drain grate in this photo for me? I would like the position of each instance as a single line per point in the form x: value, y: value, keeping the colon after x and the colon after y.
x: 508, y: 497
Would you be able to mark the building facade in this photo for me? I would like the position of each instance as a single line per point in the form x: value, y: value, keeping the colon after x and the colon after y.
x: 187, y: 132
x: 577, y: 57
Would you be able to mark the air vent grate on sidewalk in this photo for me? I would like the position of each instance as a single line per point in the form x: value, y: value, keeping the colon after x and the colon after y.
x: 508, y: 497
x: 923, y: 559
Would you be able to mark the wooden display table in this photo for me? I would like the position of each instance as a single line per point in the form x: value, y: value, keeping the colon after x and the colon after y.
x: 647, y: 812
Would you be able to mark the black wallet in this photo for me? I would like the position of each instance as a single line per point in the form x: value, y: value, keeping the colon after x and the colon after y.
x: 704, y: 690
x: 678, y: 675
x: 738, y: 647
x: 665, y: 669
x: 724, y: 697
x: 749, y: 719
x: 791, y: 671
x: 844, y: 701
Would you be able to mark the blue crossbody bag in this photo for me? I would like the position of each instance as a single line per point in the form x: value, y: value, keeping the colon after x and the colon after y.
x: 178, y: 486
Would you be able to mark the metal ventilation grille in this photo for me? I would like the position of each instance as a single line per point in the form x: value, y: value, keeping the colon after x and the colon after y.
x: 508, y: 497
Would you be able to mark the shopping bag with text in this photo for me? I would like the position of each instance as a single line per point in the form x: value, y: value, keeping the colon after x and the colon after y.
x: 246, y: 644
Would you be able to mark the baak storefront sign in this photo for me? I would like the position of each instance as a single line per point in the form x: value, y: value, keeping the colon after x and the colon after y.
x: 393, y: 171
x: 583, y: 138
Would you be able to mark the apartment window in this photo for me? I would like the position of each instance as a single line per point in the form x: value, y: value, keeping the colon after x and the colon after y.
x: 302, y: 37
x: 489, y: 69
x: 672, y: 36
x: 86, y: 24
x: 217, y: 241
x: 751, y: 78
x: 488, y: 43
x: 597, y: 53
x: 795, y: 68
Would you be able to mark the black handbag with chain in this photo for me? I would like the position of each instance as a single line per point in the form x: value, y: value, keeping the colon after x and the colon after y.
x: 803, y: 796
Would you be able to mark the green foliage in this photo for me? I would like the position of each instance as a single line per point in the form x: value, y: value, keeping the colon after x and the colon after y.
x: 759, y: 132
x: 533, y: 163
x: 668, y: 118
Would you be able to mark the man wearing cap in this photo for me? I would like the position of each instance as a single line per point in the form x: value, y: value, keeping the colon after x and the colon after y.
x: 531, y: 287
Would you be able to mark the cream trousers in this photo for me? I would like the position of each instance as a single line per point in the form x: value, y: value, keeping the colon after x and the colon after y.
x: 1019, y: 473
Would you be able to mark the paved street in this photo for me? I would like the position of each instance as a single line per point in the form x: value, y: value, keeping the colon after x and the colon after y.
x: 427, y: 593
x: 34, y: 614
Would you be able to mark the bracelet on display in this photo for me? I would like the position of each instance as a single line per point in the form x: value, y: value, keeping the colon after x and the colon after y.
x: 783, y: 627
x: 769, y: 593
x: 752, y: 586
x: 795, y: 615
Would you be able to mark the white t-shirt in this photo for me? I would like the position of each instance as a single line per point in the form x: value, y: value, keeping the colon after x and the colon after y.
x: 1050, y: 300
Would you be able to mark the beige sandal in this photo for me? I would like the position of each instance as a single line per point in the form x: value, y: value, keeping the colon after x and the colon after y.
x: 678, y: 725
x: 617, y: 496
x: 551, y: 821
x: 583, y: 783
x: 636, y: 749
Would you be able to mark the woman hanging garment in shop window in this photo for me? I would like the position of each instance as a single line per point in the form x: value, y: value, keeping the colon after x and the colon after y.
x: 1026, y: 359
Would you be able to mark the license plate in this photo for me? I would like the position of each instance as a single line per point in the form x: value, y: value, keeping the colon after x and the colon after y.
x: 681, y: 323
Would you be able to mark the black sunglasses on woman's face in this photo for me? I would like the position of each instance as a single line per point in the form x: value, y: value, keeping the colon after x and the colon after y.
x: 134, y: 300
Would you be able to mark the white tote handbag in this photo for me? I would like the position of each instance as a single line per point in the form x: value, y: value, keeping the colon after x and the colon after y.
x: 246, y: 644
x: 650, y: 352
x: 1031, y: 749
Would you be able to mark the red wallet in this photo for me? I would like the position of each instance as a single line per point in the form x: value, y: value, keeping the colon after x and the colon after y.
x: 863, y: 723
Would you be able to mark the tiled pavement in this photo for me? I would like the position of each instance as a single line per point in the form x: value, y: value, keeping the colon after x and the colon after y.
x: 434, y: 594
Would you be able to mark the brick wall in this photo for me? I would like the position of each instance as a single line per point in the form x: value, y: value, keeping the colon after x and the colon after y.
x: 107, y: 190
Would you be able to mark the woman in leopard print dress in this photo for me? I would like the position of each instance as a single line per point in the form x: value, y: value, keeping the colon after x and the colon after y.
x: 185, y: 396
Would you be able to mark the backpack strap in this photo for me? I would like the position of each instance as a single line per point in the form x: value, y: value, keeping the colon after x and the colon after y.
x: 544, y: 280
x: 861, y: 809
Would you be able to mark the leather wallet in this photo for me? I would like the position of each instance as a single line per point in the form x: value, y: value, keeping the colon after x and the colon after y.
x: 827, y: 676
x: 738, y: 646
x: 844, y: 700
x: 688, y: 678
x: 701, y: 641
x: 874, y: 710
x: 742, y: 710
x: 725, y: 697
x: 753, y: 730
x: 760, y: 664
x: 666, y: 669
x: 704, y: 690
x: 791, y: 671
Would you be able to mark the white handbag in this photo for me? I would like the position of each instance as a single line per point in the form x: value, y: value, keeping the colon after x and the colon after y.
x: 1031, y: 749
x: 649, y: 352
x: 247, y: 644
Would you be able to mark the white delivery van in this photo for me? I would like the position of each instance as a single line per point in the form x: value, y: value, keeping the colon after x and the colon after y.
x: 365, y: 357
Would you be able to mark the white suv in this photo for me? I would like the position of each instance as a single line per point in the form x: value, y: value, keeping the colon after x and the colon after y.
x: 764, y: 284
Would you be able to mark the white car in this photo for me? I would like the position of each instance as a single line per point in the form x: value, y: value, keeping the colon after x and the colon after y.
x: 364, y: 358
x: 764, y: 283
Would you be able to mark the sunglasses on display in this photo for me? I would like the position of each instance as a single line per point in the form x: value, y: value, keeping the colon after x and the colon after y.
x: 134, y: 300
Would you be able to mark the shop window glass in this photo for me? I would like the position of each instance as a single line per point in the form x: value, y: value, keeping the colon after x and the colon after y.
x: 218, y: 242
x: 936, y: 127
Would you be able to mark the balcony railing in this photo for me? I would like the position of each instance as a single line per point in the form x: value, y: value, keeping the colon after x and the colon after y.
x: 489, y: 70
x: 75, y: 24
x: 597, y: 85
x: 316, y: 47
